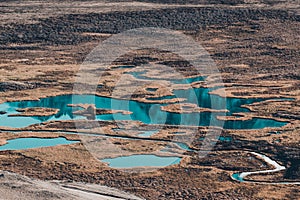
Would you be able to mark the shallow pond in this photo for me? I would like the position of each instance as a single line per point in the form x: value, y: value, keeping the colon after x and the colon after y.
x: 236, y: 176
x: 30, y: 143
x: 147, y: 133
x: 141, y: 161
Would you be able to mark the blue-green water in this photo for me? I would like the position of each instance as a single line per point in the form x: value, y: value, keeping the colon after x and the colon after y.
x: 221, y: 138
x: 30, y: 143
x: 183, y: 146
x: 225, y: 138
x: 148, y: 113
x: 123, y: 67
x: 237, y: 177
x: 59, y: 102
x: 147, y: 133
x: 141, y: 161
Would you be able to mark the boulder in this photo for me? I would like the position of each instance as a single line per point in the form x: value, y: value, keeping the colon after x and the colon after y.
x: 91, y: 112
x: 2, y: 112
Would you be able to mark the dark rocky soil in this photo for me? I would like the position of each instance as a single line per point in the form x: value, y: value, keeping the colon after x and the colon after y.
x: 66, y: 29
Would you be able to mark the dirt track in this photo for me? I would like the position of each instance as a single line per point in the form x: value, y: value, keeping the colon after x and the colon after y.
x: 14, y: 186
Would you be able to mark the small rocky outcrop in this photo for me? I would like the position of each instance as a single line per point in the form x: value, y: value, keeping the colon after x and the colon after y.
x: 89, y: 112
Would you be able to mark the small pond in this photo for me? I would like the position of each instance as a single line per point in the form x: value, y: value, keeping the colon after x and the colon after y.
x: 147, y: 133
x: 236, y: 176
x: 141, y: 161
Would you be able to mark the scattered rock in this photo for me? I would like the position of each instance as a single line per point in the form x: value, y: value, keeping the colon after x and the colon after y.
x: 17, y: 86
x: 2, y: 112
x: 91, y: 111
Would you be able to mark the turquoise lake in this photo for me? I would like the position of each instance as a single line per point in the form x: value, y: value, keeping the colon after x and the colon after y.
x: 30, y: 143
x: 148, y: 113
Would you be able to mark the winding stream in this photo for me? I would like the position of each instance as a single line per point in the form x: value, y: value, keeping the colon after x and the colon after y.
x: 277, y: 167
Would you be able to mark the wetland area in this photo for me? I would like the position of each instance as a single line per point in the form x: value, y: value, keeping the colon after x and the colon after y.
x: 155, y: 127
